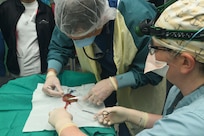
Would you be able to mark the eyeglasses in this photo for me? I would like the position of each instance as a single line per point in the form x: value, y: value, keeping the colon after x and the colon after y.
x: 152, y: 49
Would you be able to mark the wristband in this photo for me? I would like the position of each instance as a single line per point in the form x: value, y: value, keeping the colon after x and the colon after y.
x: 51, y: 73
x: 143, y: 120
x: 65, y: 126
x: 115, y: 86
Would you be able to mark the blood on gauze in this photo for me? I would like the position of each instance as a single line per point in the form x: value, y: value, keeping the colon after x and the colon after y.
x: 66, y: 97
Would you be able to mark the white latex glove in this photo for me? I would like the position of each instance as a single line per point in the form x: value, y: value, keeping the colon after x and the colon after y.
x: 100, y: 92
x: 52, y: 86
x: 112, y: 115
x: 60, y: 119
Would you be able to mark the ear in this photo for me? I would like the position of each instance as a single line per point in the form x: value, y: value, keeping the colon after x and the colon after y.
x: 188, y: 63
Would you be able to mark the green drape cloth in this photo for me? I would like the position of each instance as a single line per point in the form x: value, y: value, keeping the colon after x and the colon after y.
x: 15, y: 104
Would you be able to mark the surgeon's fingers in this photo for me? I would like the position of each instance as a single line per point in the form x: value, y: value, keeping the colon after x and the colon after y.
x: 87, y: 97
x: 103, y: 120
x: 93, y: 99
x: 52, y: 91
x: 59, y: 89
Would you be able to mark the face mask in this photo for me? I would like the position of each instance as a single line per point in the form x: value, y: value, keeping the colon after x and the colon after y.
x: 84, y: 42
x: 158, y: 67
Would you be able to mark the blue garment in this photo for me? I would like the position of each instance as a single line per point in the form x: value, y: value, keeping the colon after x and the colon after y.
x: 187, y: 118
x: 2, y: 54
x: 46, y: 2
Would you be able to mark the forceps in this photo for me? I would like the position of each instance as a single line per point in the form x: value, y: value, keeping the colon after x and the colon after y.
x: 103, y: 115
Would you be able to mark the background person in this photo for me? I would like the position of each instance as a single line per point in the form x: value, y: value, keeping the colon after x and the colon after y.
x: 27, y: 27
x: 110, y: 28
x: 2, y: 54
x: 183, y: 112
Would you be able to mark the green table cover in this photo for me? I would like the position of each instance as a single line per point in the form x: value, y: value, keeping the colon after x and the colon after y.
x: 15, y: 104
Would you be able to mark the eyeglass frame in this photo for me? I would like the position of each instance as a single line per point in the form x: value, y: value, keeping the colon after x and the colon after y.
x: 153, y: 48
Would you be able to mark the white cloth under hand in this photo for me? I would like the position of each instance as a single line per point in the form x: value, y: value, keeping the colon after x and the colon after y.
x: 43, y: 104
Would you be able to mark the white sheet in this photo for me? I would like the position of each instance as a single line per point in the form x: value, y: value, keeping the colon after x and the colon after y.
x: 43, y: 104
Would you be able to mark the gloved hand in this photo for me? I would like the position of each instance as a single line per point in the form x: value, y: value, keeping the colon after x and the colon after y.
x: 112, y: 115
x: 60, y: 119
x: 100, y: 91
x: 52, y: 85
